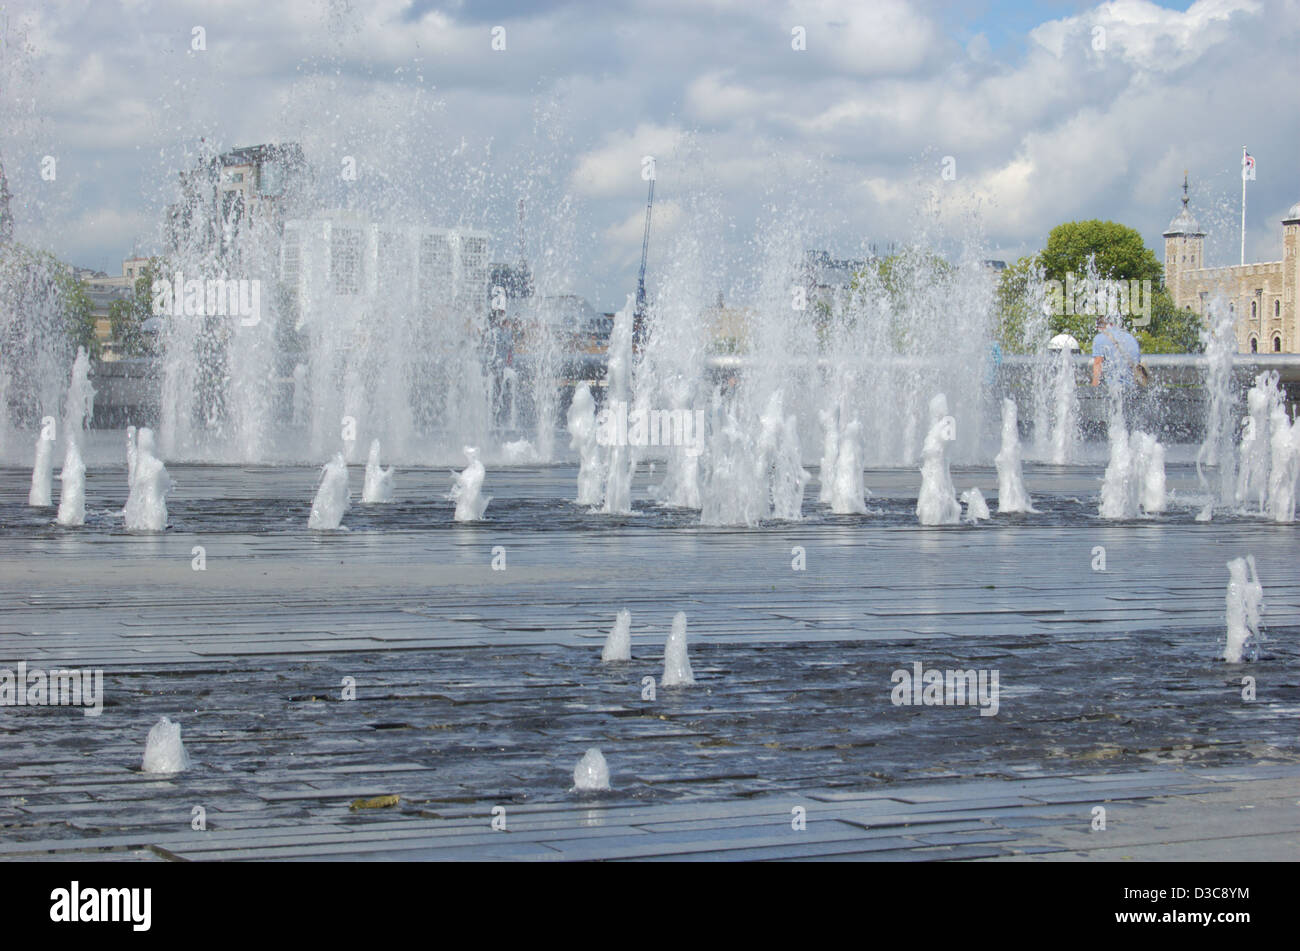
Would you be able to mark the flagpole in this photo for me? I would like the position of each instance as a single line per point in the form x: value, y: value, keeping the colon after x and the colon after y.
x: 1243, y: 205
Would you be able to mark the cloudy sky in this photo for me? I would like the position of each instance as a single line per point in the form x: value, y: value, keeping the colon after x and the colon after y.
x: 1046, y: 112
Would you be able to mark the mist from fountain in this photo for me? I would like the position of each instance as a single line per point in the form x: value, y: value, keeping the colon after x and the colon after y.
x: 829, y: 417
x: 1149, y: 466
x: 132, y: 455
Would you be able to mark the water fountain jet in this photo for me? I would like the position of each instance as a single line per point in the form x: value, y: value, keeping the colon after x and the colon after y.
x: 331, y: 499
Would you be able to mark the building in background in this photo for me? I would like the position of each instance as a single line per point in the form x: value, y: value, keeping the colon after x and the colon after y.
x: 245, y: 187
x: 1262, y: 296
x: 342, y: 260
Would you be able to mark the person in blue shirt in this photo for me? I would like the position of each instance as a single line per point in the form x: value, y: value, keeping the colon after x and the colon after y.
x: 1115, y: 355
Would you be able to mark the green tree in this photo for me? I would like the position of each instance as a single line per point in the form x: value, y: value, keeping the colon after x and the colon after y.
x: 127, y: 316
x: 1119, y: 252
x: 1013, y: 301
x: 78, y: 312
x: 1172, y: 329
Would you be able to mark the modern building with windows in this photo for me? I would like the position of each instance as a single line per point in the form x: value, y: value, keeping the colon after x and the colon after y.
x: 343, y: 258
x: 1262, y: 295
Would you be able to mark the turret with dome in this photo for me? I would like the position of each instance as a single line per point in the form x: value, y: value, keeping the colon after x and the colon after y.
x: 1262, y: 296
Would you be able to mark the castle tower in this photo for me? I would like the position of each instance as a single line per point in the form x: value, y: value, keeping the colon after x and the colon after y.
x: 1291, y: 280
x: 1184, y: 251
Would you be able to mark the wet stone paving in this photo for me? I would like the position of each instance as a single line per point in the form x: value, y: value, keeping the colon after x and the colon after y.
x: 477, y: 688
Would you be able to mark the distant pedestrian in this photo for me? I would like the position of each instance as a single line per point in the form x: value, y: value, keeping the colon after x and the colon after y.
x: 1116, y: 356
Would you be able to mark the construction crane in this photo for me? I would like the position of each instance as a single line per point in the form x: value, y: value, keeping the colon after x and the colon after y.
x: 638, y: 315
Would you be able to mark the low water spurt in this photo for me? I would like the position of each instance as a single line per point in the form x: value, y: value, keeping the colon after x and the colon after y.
x: 331, y: 497
x: 592, y: 772
x: 163, y: 750
x: 976, y: 508
x: 467, y: 490
x: 618, y: 646
x: 378, y: 487
x: 1243, y: 604
x: 146, y: 505
x: 677, y: 664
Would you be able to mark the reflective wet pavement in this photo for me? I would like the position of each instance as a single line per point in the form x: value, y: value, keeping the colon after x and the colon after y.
x: 478, y: 687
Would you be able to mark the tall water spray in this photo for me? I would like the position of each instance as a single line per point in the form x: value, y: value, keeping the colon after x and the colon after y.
x: 1065, y: 414
x: 1256, y: 449
x: 1217, y: 449
x: 1012, y: 496
x: 582, y: 437
x: 779, y: 464
x: 621, y: 462
x: 72, y: 494
x: 1284, y: 466
x: 41, y: 494
x: 937, y: 504
x: 846, y: 483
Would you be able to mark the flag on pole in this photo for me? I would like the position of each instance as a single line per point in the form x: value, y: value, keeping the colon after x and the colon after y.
x: 1247, y: 166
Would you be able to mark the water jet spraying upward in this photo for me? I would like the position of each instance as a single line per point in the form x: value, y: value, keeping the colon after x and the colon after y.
x: 467, y: 490
x: 378, y: 487
x: 146, y: 505
x: 937, y: 502
x: 1243, y: 603
x: 331, y: 497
